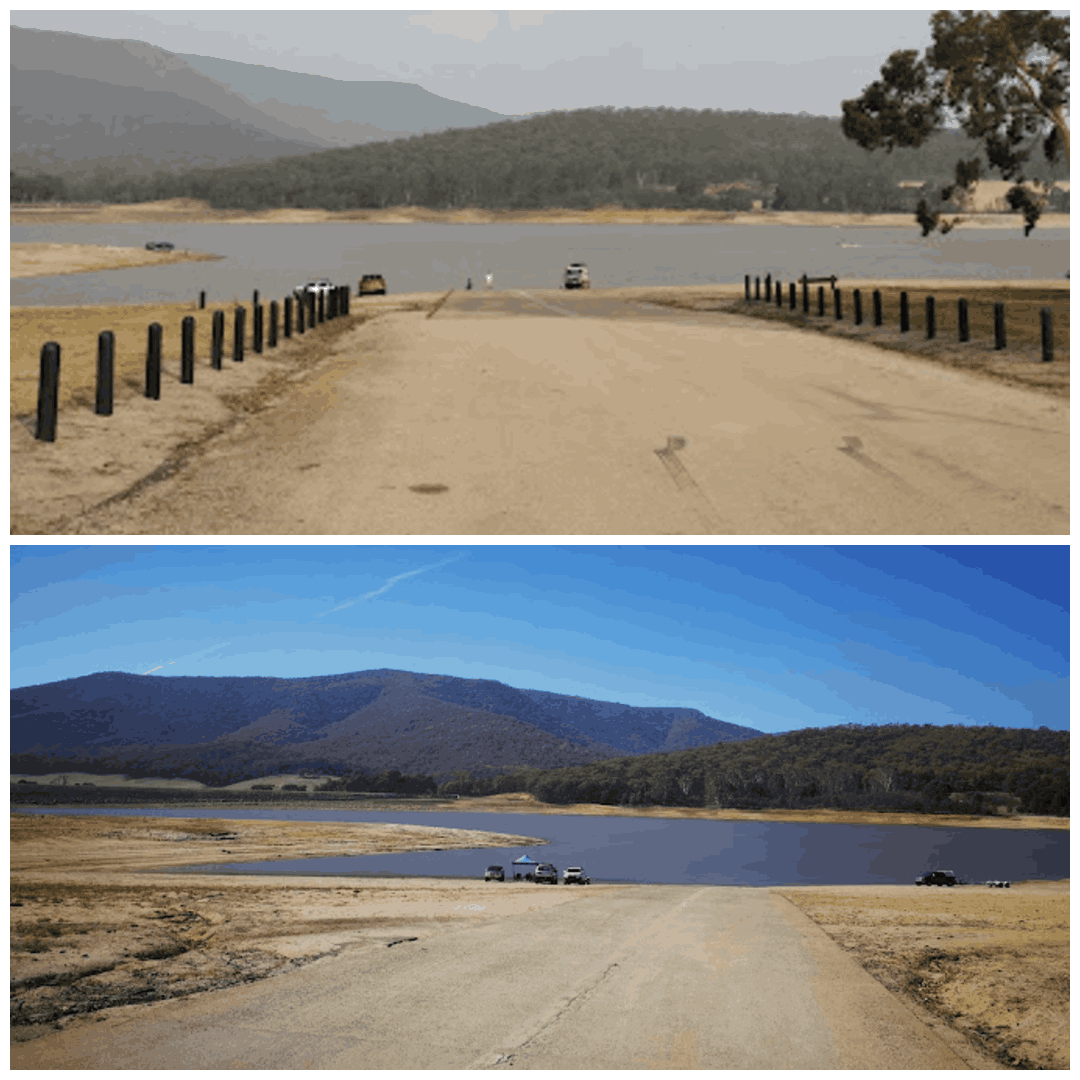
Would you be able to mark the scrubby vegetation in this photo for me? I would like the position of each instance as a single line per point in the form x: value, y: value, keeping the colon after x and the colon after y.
x: 638, y: 158
x: 900, y: 767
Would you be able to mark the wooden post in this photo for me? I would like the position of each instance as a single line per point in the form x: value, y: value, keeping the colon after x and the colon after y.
x: 805, y: 296
x: 999, y: 326
x: 322, y: 306
x: 255, y: 298
x: 768, y: 287
x: 271, y: 334
x: 838, y: 312
x: 202, y: 300
x: 931, y: 319
x: 301, y: 303
x: 1046, y: 319
x: 779, y: 295
x: 187, y: 349
x: 746, y: 285
x: 106, y: 349
x: 257, y: 328
x: 757, y: 288
x: 857, y: 298
x: 331, y: 303
x: 821, y: 301
x: 311, y: 310
x: 879, y: 317
x: 346, y: 295
x: 791, y: 294
x: 217, y: 340
x: 905, y: 315
x: 288, y: 316
x: 48, y: 392
x: 238, y: 335
x: 153, y: 362
x: 963, y: 326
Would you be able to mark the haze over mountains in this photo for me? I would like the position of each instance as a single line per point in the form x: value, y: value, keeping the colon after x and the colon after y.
x: 81, y: 105
x: 370, y: 721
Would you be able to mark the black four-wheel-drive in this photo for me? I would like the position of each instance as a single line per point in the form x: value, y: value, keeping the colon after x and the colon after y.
x: 938, y: 877
x: 158, y: 245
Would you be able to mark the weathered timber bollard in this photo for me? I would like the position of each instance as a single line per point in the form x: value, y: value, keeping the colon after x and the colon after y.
x: 187, y: 349
x: 791, y: 295
x: 962, y: 323
x: 106, y: 351
x: 301, y: 302
x: 879, y: 316
x: 931, y: 319
x: 346, y: 295
x: 821, y: 301
x: 153, y: 361
x: 311, y: 311
x: 322, y: 306
x: 1046, y: 321
x: 217, y: 339
x: 838, y: 311
x: 805, y: 297
x: 48, y: 392
x: 746, y: 285
x: 257, y: 328
x: 905, y: 315
x: 757, y: 288
x: 255, y: 298
x: 768, y: 288
x: 288, y: 316
x: 238, y: 335
x: 857, y: 300
x: 331, y: 303
x: 202, y: 300
x: 271, y: 332
x: 779, y: 295
x: 999, y: 326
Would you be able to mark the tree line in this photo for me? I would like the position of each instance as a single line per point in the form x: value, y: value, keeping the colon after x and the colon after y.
x: 893, y: 767
x: 636, y: 158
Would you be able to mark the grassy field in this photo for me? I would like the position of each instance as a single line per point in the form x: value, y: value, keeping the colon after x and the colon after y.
x: 1019, y: 363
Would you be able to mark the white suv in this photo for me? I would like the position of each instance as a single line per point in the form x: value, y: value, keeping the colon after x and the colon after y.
x: 315, y: 287
x: 576, y: 276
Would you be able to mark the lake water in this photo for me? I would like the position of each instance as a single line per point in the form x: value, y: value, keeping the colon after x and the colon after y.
x: 422, y: 258
x: 679, y: 852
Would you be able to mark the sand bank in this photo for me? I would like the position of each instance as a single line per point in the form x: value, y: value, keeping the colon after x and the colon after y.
x: 48, y: 260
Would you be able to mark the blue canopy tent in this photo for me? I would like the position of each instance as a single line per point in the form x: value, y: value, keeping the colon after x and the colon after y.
x: 528, y: 864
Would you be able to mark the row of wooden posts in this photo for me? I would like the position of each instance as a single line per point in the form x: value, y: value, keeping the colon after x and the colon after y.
x: 1046, y: 316
x: 310, y: 308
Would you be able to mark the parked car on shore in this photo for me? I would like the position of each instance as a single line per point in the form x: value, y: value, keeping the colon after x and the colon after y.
x: 938, y: 877
x: 999, y: 884
x: 546, y: 874
x: 576, y: 276
x: 372, y: 285
x: 494, y: 873
x: 574, y: 875
x: 316, y: 287
x: 159, y: 245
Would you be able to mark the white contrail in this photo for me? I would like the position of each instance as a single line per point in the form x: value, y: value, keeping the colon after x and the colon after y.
x: 189, y: 656
x: 388, y: 584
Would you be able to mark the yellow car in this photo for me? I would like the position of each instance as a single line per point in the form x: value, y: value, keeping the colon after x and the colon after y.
x: 373, y: 284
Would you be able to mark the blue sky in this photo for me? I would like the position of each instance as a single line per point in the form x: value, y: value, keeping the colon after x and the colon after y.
x: 771, y: 637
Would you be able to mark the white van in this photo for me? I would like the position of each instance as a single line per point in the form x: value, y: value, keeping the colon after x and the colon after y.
x: 576, y: 276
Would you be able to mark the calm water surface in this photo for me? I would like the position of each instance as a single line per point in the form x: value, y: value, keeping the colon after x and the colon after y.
x: 679, y: 852
x: 420, y: 258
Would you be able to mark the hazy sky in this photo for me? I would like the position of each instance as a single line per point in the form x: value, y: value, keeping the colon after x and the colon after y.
x: 775, y: 638
x: 520, y: 62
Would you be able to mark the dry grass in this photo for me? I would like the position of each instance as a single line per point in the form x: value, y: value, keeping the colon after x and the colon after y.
x: 1019, y: 364
x: 994, y: 964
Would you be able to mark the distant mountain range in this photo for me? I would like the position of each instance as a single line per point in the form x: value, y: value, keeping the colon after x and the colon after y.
x: 83, y: 105
x: 367, y: 721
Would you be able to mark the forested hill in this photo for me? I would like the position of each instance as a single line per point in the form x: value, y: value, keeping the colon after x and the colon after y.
x: 922, y: 768
x: 588, y: 157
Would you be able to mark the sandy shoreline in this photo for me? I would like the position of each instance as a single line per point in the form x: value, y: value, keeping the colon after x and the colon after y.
x: 99, y: 924
x: 198, y: 211
x: 48, y: 260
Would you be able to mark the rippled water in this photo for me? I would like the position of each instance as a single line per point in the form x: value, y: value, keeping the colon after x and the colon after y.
x: 420, y: 258
x: 680, y: 852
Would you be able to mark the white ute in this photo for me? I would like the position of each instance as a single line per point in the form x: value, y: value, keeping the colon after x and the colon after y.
x: 575, y: 876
